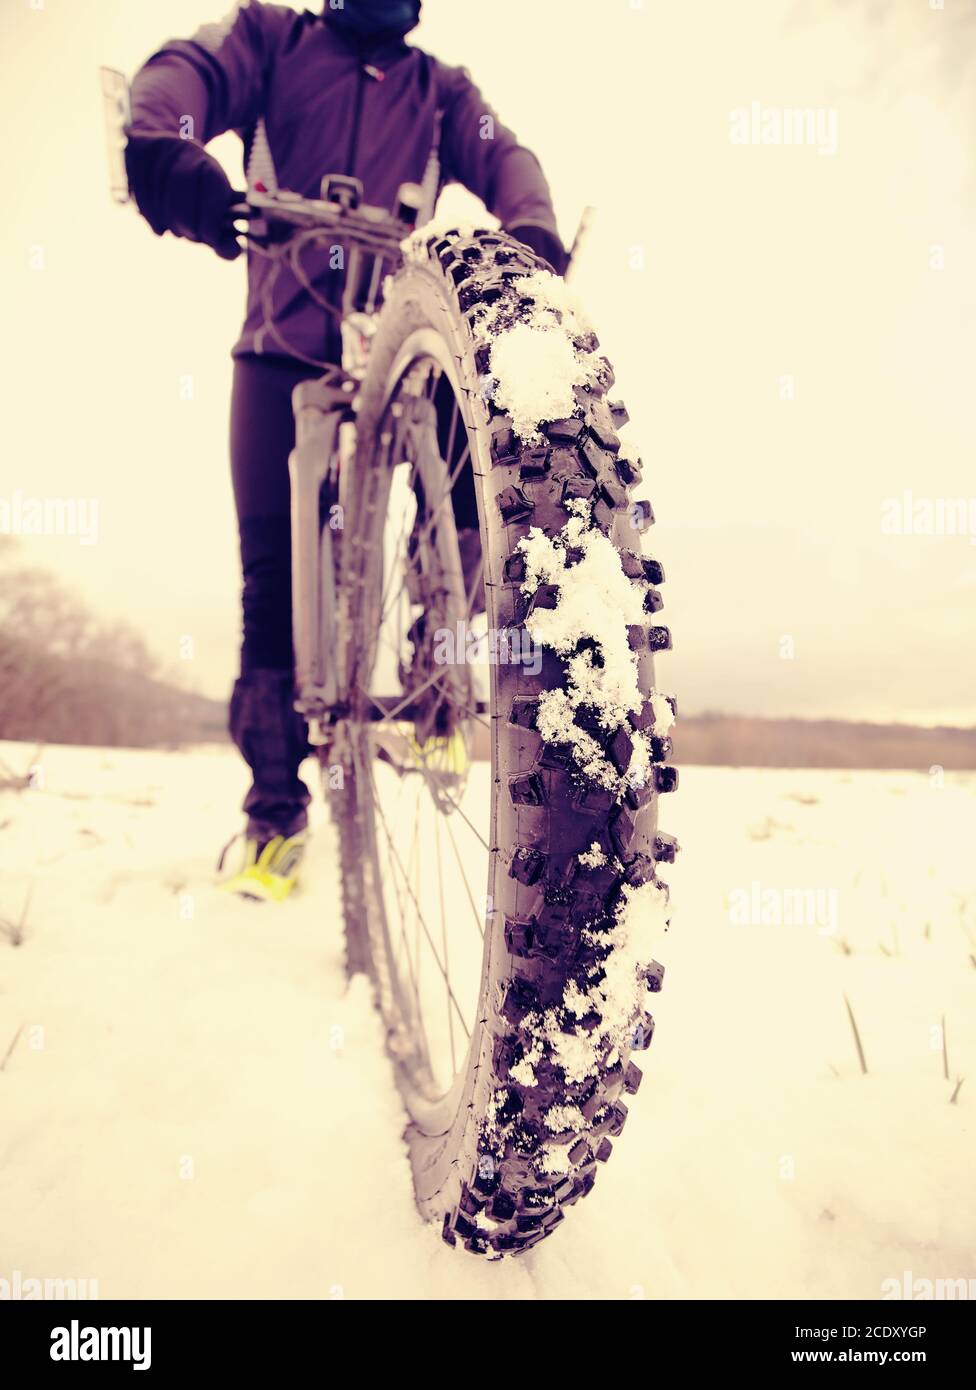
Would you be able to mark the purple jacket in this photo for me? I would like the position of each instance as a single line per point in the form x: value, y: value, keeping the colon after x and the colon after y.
x: 330, y: 107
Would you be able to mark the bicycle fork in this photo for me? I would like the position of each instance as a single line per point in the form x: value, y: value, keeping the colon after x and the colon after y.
x: 320, y: 407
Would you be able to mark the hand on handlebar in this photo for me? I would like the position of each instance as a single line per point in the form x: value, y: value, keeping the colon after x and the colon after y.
x: 544, y: 243
x: 182, y: 189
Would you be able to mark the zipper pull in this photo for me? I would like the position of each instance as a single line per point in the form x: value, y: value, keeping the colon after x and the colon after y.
x: 377, y: 74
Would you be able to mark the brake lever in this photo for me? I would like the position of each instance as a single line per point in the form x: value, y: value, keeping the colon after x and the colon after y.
x: 257, y: 230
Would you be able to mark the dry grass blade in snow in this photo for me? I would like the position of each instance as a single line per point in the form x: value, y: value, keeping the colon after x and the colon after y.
x: 14, y: 932
x: 857, y: 1036
x: 10, y: 1050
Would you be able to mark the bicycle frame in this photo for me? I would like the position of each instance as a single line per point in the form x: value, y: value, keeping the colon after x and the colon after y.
x: 321, y: 408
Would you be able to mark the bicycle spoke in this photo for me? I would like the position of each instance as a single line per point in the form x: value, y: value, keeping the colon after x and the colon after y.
x: 475, y: 581
x: 420, y: 916
x: 425, y: 771
x: 391, y: 714
x: 447, y: 962
x: 452, y: 433
x: 418, y: 1005
x: 464, y: 877
x: 403, y: 920
x: 431, y: 517
x: 414, y: 974
x: 468, y: 713
x: 425, y: 529
x: 400, y: 544
x: 456, y: 805
x: 424, y: 459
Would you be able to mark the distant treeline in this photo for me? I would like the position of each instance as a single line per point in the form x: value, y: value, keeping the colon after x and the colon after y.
x: 49, y: 699
x: 728, y: 740
x: 68, y: 677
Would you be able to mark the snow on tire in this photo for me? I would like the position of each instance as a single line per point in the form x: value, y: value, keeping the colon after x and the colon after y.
x: 580, y: 748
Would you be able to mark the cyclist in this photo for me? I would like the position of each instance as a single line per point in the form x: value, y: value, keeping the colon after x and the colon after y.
x: 309, y: 94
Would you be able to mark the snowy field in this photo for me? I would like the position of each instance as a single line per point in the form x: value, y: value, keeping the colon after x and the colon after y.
x: 194, y: 1103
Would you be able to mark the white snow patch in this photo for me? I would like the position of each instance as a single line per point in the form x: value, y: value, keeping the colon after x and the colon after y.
x: 617, y: 998
x: 555, y: 1160
x: 596, y: 601
x: 639, y: 768
x: 575, y: 1000
x: 485, y: 1222
x: 541, y: 301
x: 414, y: 247
x: 593, y: 858
x: 553, y: 297
x: 537, y: 332
x: 523, y: 1073
x: 536, y: 335
x: 562, y: 1119
x: 640, y: 921
x: 663, y: 713
x: 555, y: 723
x: 574, y: 1052
x: 534, y: 372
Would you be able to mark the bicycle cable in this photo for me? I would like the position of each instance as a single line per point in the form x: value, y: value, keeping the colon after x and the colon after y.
x: 291, y: 252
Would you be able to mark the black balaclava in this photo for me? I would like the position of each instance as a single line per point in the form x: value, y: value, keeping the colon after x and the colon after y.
x: 362, y: 20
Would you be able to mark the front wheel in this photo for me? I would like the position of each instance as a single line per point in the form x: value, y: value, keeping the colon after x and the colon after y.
x: 504, y: 744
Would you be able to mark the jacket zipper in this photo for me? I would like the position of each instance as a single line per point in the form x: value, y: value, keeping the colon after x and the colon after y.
x: 363, y: 71
x: 357, y: 111
x: 375, y: 74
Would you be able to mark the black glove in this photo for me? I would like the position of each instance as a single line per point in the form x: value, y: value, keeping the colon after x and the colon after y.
x: 544, y: 243
x: 180, y: 188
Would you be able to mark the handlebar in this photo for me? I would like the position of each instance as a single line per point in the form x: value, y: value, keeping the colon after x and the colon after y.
x: 372, y: 240
x: 339, y: 210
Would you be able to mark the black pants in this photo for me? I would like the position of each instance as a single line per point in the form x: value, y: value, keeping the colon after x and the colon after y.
x: 263, y: 723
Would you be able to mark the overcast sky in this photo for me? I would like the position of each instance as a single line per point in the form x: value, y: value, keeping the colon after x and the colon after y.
x: 724, y: 278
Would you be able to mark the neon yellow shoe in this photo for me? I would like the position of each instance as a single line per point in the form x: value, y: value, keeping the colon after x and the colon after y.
x: 269, y: 870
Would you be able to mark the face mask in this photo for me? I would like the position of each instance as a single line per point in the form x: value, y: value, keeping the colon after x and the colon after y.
x: 367, y: 18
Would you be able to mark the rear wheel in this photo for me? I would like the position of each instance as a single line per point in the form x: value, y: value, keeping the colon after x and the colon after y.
x: 504, y: 745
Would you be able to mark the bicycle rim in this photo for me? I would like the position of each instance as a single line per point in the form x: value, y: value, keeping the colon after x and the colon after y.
x: 424, y: 801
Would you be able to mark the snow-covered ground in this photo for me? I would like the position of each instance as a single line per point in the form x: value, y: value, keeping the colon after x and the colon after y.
x: 194, y: 1103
